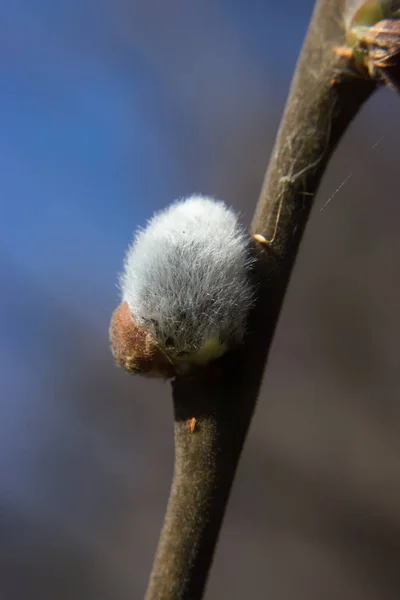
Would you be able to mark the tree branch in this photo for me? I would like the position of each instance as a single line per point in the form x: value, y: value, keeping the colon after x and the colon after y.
x: 213, y: 409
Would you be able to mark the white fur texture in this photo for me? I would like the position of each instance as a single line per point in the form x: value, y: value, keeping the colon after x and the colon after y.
x: 186, y: 276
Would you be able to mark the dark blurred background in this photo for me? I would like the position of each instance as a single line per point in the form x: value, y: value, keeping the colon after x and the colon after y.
x: 108, y: 111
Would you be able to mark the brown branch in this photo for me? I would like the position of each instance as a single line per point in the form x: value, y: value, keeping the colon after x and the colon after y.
x: 213, y: 409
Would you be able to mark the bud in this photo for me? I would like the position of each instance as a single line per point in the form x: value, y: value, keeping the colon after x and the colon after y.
x: 186, y: 290
x: 373, y: 41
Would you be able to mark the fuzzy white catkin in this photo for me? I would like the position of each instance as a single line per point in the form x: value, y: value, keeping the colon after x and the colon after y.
x: 187, y: 276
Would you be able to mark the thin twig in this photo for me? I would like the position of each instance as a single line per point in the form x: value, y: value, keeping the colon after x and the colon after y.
x: 213, y: 410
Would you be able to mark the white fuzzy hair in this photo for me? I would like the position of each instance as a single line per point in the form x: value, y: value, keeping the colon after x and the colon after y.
x: 186, y: 276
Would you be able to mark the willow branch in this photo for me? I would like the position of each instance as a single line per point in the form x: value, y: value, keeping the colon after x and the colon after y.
x: 213, y: 410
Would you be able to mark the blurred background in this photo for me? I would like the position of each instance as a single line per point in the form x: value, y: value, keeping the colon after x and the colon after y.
x: 108, y: 111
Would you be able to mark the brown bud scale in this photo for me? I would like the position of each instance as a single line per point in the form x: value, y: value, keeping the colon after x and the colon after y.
x: 382, y: 43
x: 133, y: 347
